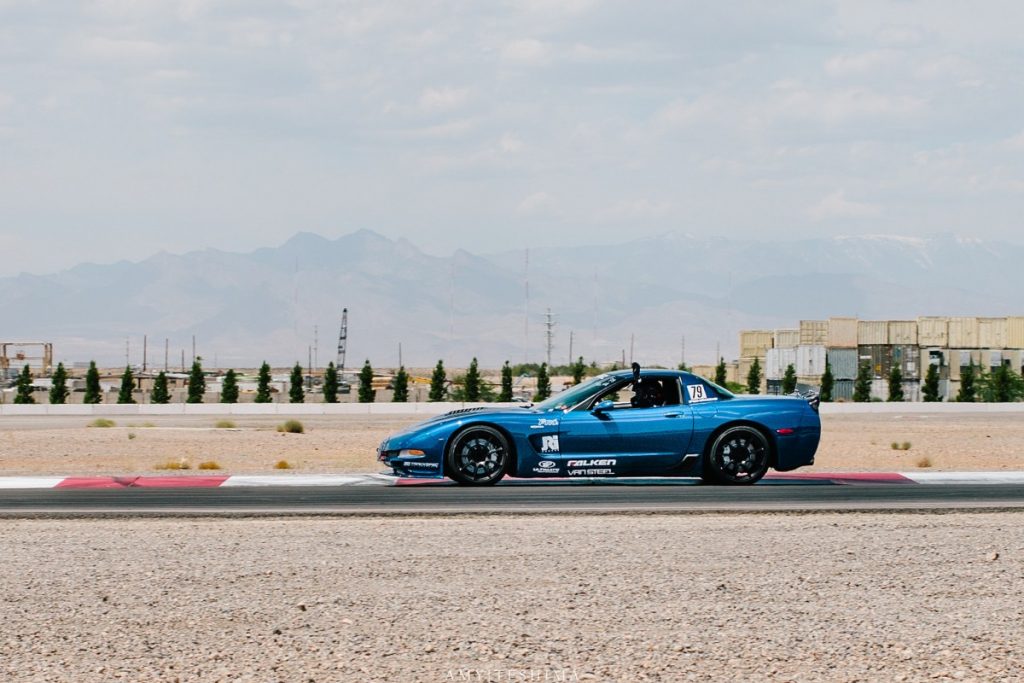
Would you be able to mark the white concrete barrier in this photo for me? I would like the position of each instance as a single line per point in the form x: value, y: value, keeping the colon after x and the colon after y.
x: 288, y: 409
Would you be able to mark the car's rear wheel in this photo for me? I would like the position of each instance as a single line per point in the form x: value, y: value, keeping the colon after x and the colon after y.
x: 479, y: 456
x: 739, y: 455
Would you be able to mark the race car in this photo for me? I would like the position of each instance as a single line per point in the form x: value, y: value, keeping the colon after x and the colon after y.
x: 630, y: 423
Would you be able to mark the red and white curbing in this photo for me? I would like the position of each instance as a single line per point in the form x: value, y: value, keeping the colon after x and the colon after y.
x: 246, y: 480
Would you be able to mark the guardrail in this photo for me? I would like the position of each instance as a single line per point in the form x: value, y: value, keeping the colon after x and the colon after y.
x: 428, y: 409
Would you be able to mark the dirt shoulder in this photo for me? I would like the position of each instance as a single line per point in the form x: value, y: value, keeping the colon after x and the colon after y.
x: 66, y: 445
x: 610, y: 598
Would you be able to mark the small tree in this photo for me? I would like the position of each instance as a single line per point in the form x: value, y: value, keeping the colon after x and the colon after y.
x: 930, y: 390
x: 229, y: 388
x: 401, y: 392
x: 543, y: 383
x: 862, y: 386
x: 579, y: 369
x: 331, y: 383
x: 754, y: 378
x: 124, y: 395
x: 437, y: 383
x: 196, y: 383
x: 895, y: 384
x: 683, y: 367
x: 263, y: 385
x: 59, y: 389
x: 968, y: 392
x: 472, y: 383
x: 93, y: 392
x: 827, y: 384
x: 720, y: 372
x: 295, y: 392
x: 366, y: 392
x: 506, y: 383
x: 789, y: 380
x: 1000, y: 383
x: 160, y: 394
x: 24, y: 394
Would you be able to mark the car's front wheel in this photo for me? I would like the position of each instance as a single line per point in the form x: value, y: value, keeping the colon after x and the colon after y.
x: 739, y: 455
x: 478, y: 456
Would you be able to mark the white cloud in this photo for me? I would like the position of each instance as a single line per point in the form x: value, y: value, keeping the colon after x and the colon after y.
x: 510, y: 144
x: 435, y: 100
x: 836, y: 205
x: 538, y: 202
x: 120, y: 49
x: 857, y: 64
x: 526, y: 51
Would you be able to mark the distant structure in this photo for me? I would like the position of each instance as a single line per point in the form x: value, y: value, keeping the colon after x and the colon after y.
x: 342, y: 340
x: 949, y: 343
x: 37, y: 355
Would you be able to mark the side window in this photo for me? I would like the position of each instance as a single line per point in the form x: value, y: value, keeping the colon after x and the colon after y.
x: 700, y: 392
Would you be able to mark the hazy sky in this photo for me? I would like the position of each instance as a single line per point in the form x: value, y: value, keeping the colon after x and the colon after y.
x: 127, y: 126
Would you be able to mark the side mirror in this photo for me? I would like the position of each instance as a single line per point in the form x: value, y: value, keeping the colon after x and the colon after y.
x: 603, y: 406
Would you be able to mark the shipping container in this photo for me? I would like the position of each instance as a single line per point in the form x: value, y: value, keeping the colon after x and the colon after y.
x: 903, y: 332
x: 787, y: 339
x: 963, y: 333
x: 754, y: 343
x: 992, y: 359
x: 1015, y: 333
x: 842, y: 333
x: 908, y: 358
x: 1015, y: 359
x: 961, y: 358
x: 813, y: 332
x: 872, y: 332
x: 933, y: 331
x: 879, y: 389
x: 810, y: 360
x: 777, y: 360
x: 992, y: 333
x: 842, y: 390
x: 912, y: 391
x: 843, y: 363
x: 877, y: 357
x: 940, y: 358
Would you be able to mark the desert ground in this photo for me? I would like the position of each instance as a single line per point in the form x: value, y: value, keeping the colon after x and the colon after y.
x: 67, y: 445
x: 834, y: 597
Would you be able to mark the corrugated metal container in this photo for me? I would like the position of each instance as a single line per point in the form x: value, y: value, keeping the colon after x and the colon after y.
x: 879, y: 389
x: 963, y: 333
x: 842, y: 333
x: 842, y: 390
x: 961, y: 358
x: 908, y: 358
x: 933, y: 331
x: 992, y: 333
x: 937, y: 357
x: 777, y: 361
x: 1014, y: 358
x: 810, y: 360
x: 877, y: 357
x: 1015, y: 333
x: 843, y: 363
x: 872, y: 332
x: 992, y: 359
x: 787, y: 339
x: 813, y: 332
x: 754, y: 343
x: 912, y: 391
x: 903, y: 332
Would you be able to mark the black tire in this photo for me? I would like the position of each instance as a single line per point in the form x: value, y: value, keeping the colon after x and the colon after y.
x: 478, y: 456
x: 738, y: 456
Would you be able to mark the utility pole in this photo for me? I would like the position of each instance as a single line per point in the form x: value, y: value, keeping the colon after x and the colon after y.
x: 632, y: 340
x: 342, y: 342
x: 549, y: 323
x: 316, y: 349
x: 399, y: 354
x: 127, y: 348
x: 193, y: 348
x: 183, y: 360
x: 309, y: 368
x: 526, y: 308
x: 145, y: 349
x: 167, y: 352
x: 571, y: 334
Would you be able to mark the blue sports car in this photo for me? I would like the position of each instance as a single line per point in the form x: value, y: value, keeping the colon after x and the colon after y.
x: 621, y: 424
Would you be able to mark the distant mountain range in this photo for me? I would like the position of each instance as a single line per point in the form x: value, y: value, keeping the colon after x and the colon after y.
x: 244, y: 308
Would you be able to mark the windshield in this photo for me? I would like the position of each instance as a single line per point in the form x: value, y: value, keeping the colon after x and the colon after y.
x: 577, y: 394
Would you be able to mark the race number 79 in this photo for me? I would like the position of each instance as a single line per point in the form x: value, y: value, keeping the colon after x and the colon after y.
x: 697, y: 393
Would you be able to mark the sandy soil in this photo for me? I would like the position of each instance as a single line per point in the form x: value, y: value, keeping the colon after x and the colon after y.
x: 863, y: 597
x: 66, y: 445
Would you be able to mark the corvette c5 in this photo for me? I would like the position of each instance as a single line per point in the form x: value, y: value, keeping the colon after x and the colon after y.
x: 638, y: 423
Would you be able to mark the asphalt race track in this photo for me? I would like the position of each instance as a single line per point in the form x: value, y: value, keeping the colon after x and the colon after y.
x: 522, y: 499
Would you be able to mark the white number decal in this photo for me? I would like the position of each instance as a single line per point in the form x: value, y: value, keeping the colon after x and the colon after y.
x: 697, y: 393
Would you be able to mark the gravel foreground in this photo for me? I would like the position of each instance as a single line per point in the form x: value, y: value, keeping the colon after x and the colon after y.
x: 836, y: 597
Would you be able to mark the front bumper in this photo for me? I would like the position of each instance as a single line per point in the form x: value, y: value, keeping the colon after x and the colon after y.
x: 406, y: 462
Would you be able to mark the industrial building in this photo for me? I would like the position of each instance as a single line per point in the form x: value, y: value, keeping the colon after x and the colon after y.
x: 949, y: 343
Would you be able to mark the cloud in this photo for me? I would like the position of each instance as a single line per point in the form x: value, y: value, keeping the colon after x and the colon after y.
x: 120, y: 49
x: 435, y: 100
x: 510, y: 144
x: 857, y: 64
x: 525, y: 51
x: 836, y: 205
x: 1014, y: 142
x: 538, y: 202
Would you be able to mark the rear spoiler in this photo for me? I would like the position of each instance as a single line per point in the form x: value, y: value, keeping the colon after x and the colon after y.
x: 813, y: 398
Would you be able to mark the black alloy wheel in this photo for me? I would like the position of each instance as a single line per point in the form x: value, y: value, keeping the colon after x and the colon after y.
x: 478, y: 456
x: 740, y: 455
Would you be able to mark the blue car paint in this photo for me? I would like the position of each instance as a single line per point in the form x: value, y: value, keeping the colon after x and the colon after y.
x: 667, y: 440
